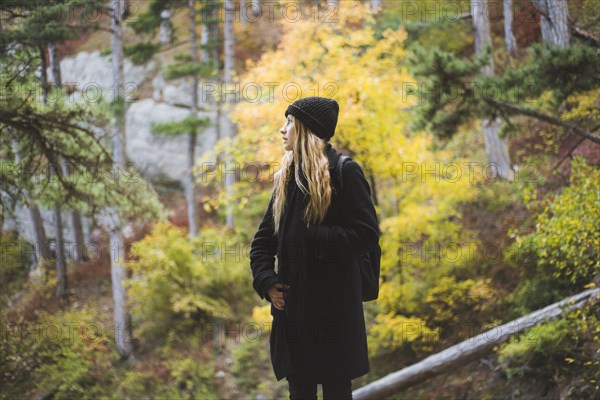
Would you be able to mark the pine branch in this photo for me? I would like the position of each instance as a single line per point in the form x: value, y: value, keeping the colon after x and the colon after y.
x: 572, y: 149
x: 546, y: 118
x: 581, y: 33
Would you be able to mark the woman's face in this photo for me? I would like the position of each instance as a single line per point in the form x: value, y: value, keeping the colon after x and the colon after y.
x: 289, y: 133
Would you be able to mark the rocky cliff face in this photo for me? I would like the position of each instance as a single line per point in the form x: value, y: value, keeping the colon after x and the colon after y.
x: 158, y: 158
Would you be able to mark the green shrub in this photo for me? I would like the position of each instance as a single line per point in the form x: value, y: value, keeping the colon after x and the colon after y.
x: 561, y: 256
x: 451, y: 301
x: 179, y: 378
x: 537, y: 350
x: 567, y: 233
x: 63, y: 355
x: 536, y: 289
x: 251, y: 363
x: 13, y: 268
x: 563, y: 349
x: 181, y: 284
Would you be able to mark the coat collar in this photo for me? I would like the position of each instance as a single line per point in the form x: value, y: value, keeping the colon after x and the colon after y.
x: 332, y: 156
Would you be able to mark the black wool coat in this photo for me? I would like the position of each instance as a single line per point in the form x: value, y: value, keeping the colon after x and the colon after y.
x: 328, y: 342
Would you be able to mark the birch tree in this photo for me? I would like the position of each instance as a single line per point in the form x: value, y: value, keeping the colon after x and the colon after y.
x: 554, y: 21
x: 228, y: 126
x: 166, y: 33
x: 509, y: 37
x: 122, y: 318
x: 495, y: 147
x: 191, y: 154
x: 243, y: 13
x: 256, y: 7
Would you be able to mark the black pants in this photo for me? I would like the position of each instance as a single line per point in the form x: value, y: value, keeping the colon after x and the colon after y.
x: 308, y: 391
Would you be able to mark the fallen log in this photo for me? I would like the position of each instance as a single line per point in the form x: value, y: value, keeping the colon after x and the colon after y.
x: 467, y: 351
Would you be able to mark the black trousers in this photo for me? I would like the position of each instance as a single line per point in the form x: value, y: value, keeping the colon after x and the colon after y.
x: 331, y: 390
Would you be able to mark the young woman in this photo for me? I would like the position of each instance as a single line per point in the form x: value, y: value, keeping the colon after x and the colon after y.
x: 318, y: 333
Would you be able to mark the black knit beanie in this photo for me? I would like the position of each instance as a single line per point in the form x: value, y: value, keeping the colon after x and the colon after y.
x: 319, y: 114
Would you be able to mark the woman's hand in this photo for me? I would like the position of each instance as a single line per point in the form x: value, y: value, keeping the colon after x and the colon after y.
x: 276, y: 294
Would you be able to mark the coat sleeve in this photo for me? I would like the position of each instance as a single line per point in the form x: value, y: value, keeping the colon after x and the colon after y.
x: 359, y: 230
x: 262, y: 254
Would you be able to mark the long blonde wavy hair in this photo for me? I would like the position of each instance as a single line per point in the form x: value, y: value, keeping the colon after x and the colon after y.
x: 310, y: 149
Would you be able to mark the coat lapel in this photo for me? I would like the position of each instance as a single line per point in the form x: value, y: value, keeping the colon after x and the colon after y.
x: 332, y: 155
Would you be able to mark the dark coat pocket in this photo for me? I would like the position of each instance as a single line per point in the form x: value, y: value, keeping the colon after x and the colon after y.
x: 326, y: 289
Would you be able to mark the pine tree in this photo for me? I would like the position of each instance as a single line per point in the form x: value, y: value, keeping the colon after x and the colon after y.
x: 187, y: 66
x: 37, y: 134
x: 42, y: 27
x: 559, y: 71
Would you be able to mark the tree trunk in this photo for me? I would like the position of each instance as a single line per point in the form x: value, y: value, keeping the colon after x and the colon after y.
x: 203, y: 42
x: 123, y: 335
x: 55, y: 64
x: 79, y: 254
x: 227, y: 132
x: 228, y: 128
x: 471, y: 349
x: 509, y: 37
x: 554, y: 21
x: 481, y: 23
x: 39, y: 232
x: 190, y: 187
x: 77, y: 227
x: 43, y: 73
x: 87, y: 227
x: 61, y: 265
x: 495, y: 147
x: 256, y: 7
x: 243, y: 13
x: 191, y: 157
x: 59, y: 252
x: 165, y: 33
x: 75, y: 216
x: 215, y: 35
